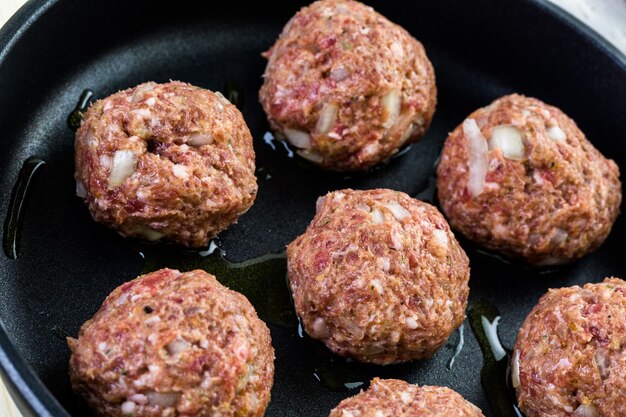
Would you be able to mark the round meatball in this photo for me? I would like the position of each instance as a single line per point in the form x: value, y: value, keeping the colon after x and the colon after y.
x: 570, y: 354
x: 347, y: 86
x: 173, y: 344
x: 169, y: 160
x: 394, y: 398
x: 519, y: 177
x: 378, y: 276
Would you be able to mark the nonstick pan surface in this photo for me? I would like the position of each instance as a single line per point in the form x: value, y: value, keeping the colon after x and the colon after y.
x: 52, y: 50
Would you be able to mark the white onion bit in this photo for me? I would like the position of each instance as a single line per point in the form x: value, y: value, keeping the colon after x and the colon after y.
x: 411, y: 323
x: 177, y: 346
x: 441, y: 236
x: 601, y: 364
x: 81, y: 191
x: 319, y: 330
x: 122, y: 167
x: 398, y: 211
x: 556, y: 134
x: 376, y: 216
x: 509, y: 140
x: 181, y: 171
x: 515, y: 370
x: 319, y: 202
x: 163, y: 399
x: 298, y: 138
x: 397, y: 49
x: 199, y: 139
x: 139, y: 399
x: 150, y: 234
x: 586, y: 410
x: 128, y: 408
x: 558, y: 237
x: 391, y: 102
x: 477, y: 157
x: 339, y: 74
x: 312, y: 156
x: 327, y: 119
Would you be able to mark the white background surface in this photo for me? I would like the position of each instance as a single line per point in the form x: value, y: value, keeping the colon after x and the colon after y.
x: 608, y: 17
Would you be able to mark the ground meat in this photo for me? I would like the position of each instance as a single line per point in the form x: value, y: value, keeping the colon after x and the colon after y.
x: 519, y: 177
x: 378, y: 276
x: 169, y: 160
x: 570, y: 355
x: 394, y: 398
x: 173, y: 344
x: 347, y: 86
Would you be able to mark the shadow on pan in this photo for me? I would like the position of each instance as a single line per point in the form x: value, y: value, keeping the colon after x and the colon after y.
x: 52, y: 50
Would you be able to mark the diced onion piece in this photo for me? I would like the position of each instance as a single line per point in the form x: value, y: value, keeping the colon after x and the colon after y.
x: 391, y: 102
x: 163, y: 399
x: 556, y: 134
x: 327, y: 119
x: 411, y: 323
x: 149, y: 234
x: 312, y: 156
x: 319, y: 202
x: 339, y: 74
x: 181, y: 171
x: 558, y: 237
x: 140, y: 90
x: 398, y: 211
x: 128, y: 407
x: 376, y: 216
x: 515, y: 370
x: 298, y: 138
x: 371, y: 349
x: 177, y: 346
x: 81, y: 191
x: 509, y: 140
x: 397, y: 49
x: 601, y: 364
x: 199, y: 139
x: 477, y: 157
x: 441, y: 236
x: 122, y: 167
x: 586, y: 410
x: 319, y: 329
x: 139, y: 399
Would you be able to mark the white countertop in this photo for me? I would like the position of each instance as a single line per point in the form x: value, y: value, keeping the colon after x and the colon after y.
x: 607, y: 17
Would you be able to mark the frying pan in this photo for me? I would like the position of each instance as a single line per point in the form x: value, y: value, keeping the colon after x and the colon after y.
x: 53, y: 49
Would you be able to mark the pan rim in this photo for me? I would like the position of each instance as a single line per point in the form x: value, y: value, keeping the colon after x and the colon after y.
x: 26, y: 388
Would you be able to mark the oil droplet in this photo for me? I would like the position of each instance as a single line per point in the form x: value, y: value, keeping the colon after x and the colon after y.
x: 262, y: 280
x: 402, y: 151
x: 234, y: 93
x: 15, y: 212
x: 495, y: 374
x: 459, y: 346
x: 76, y: 117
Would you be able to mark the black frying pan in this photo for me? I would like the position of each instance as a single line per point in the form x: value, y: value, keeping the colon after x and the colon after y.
x: 53, y: 49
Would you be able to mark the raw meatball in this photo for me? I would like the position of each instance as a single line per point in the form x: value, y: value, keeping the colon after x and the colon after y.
x: 378, y: 276
x: 519, y: 177
x: 169, y: 160
x: 394, y: 398
x: 173, y: 344
x: 570, y: 355
x: 347, y: 86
